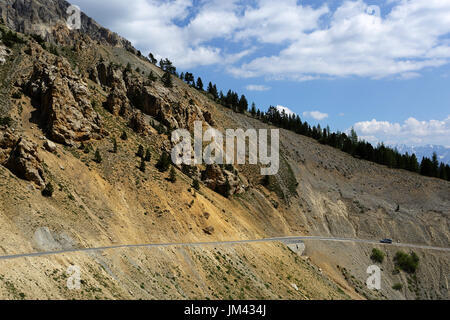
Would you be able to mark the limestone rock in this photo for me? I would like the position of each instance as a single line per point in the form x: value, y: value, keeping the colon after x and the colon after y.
x: 62, y: 99
x: 25, y: 163
x: 49, y: 146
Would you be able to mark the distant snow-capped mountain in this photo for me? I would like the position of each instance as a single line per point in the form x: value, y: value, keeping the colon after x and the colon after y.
x: 442, y: 152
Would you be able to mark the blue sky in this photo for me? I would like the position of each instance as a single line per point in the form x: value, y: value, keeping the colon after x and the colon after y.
x: 379, y: 66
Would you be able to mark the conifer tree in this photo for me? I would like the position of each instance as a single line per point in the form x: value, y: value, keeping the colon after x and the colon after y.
x: 98, y: 156
x: 172, y: 175
x: 140, y: 152
x: 142, y: 166
x: 167, y: 80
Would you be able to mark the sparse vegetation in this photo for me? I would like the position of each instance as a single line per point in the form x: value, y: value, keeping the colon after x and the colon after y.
x: 172, y: 175
x: 196, y: 184
x: 114, y: 145
x: 377, y: 255
x: 164, y: 162
x: 142, y: 165
x: 406, y: 262
x: 148, y: 155
x: 98, y: 156
x: 5, y: 121
x: 48, y: 190
x: 167, y: 80
x: 140, y: 152
x: 397, y: 286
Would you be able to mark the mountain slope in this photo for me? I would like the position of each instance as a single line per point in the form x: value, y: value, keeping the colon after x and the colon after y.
x: 81, y: 96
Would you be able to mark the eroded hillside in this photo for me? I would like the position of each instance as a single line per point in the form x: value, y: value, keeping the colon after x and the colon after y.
x: 70, y: 94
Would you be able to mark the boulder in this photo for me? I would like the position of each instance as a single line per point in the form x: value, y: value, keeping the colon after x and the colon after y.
x: 49, y: 146
x: 25, y: 163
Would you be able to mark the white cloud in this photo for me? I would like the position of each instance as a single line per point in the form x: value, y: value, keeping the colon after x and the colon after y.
x: 307, y: 42
x: 286, y: 110
x: 317, y: 115
x: 257, y: 87
x: 411, y: 131
x: 356, y: 43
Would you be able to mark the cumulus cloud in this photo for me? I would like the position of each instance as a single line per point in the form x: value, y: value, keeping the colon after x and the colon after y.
x: 286, y: 110
x: 316, y: 115
x: 411, y: 131
x: 257, y: 87
x: 306, y: 42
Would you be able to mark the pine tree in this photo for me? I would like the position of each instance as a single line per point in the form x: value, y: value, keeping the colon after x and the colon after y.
x: 148, y: 155
x: 196, y: 184
x: 253, y: 110
x: 124, y: 136
x: 199, y: 84
x: 142, y: 166
x: 48, y: 190
x: 435, y: 165
x: 227, y: 188
x: 152, y: 58
x: 163, y: 163
x: 243, y: 104
x: 172, y: 175
x: 140, y: 152
x: 114, y: 145
x: 167, y: 80
x: 98, y: 156
x: 151, y: 77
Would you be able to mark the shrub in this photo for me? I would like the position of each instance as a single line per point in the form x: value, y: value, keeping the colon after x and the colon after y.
x: 172, y: 175
x: 10, y: 38
x: 196, y: 185
x: 151, y: 77
x: 140, y: 152
x: 114, y: 145
x: 5, y: 121
x: 397, y: 286
x: 142, y: 166
x: 98, y: 156
x: 17, y: 95
x: 406, y: 262
x: 124, y: 136
x: 148, y: 155
x: 164, y: 162
x: 167, y: 80
x: 48, y: 190
x: 377, y: 255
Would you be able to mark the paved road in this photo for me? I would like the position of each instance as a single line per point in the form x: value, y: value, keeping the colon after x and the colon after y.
x: 292, y: 239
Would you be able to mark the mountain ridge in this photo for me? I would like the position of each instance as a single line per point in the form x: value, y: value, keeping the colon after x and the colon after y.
x: 71, y: 105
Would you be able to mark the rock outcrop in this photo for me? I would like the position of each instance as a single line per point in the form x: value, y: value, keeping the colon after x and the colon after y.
x: 62, y: 100
x: 221, y: 181
x: 48, y: 19
x: 25, y: 162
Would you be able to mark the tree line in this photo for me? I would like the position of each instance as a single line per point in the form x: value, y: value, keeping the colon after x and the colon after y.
x: 351, y: 144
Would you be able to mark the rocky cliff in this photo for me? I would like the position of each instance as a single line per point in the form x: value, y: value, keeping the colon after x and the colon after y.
x: 91, y: 94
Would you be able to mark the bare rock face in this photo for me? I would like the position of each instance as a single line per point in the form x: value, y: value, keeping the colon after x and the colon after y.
x: 137, y: 123
x: 62, y: 100
x: 47, y: 18
x: 25, y: 163
x: 7, y: 142
x: 216, y: 179
x: 4, y: 53
x: 49, y: 146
